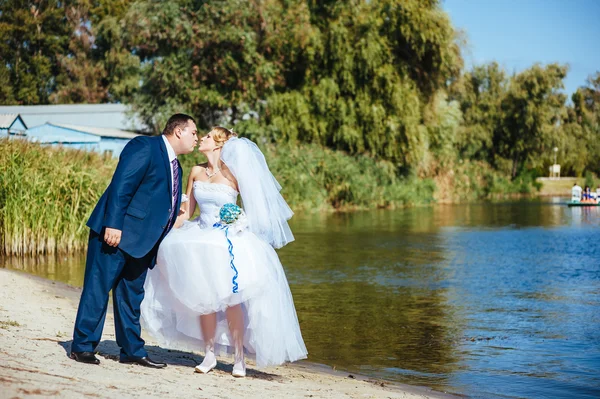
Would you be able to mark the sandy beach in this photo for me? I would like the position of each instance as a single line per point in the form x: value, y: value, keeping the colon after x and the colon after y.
x: 36, y: 321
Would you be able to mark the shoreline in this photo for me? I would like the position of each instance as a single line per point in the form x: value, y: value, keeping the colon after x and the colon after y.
x: 36, y: 319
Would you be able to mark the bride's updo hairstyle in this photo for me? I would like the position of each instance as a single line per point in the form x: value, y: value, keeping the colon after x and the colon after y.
x: 220, y: 135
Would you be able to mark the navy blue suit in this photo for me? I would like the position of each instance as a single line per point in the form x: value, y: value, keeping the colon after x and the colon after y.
x: 138, y: 202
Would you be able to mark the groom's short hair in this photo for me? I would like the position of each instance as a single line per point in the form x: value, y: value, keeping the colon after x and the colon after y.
x: 175, y: 121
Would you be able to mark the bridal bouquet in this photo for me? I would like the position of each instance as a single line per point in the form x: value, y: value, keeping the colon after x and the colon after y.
x: 233, y: 218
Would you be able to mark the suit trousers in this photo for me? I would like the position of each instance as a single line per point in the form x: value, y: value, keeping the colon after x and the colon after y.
x: 109, y: 268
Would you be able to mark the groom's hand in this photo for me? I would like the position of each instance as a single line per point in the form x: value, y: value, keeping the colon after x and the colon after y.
x: 112, y: 236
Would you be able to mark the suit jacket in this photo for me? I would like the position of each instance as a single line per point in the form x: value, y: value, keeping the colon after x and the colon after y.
x: 139, y: 198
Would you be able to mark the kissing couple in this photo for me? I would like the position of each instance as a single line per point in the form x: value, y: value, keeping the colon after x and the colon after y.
x: 214, y: 283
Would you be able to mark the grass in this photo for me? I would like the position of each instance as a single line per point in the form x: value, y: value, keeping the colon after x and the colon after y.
x: 9, y: 323
x: 560, y: 187
x: 469, y: 181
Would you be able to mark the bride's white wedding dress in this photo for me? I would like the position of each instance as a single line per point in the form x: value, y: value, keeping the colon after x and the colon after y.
x: 193, y: 276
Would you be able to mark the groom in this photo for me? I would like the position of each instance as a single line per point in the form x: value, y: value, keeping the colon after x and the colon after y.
x: 134, y: 214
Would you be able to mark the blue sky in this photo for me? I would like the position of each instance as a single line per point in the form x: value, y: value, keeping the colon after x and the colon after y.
x: 519, y: 33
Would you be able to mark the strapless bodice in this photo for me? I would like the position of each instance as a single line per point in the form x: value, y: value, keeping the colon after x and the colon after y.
x: 210, y: 197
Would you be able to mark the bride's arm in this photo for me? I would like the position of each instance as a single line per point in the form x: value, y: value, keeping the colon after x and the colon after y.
x: 187, y: 208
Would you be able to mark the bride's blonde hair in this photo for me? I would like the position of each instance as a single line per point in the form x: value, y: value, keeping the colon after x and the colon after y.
x: 221, y: 134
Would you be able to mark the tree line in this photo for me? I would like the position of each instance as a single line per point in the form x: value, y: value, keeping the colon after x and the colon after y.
x: 383, y: 79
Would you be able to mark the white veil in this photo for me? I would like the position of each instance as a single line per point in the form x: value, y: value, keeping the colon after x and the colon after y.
x: 265, y: 208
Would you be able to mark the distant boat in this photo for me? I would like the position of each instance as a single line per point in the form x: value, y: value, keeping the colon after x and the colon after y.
x: 579, y: 198
x: 577, y: 203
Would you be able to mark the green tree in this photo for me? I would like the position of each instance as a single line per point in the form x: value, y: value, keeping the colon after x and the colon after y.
x: 6, y: 89
x: 531, y: 112
x: 81, y: 77
x: 111, y: 47
x: 99, y: 66
x: 214, y: 59
x: 586, y: 103
x: 372, y: 68
x: 32, y: 35
x: 586, y: 116
x: 443, y: 119
x: 480, y: 93
x: 575, y: 149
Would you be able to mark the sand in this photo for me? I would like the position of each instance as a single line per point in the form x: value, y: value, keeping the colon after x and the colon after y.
x: 36, y: 322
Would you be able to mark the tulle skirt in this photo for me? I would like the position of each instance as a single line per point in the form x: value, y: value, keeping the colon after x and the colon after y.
x: 194, y: 276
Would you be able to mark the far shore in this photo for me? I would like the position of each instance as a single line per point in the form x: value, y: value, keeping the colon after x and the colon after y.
x: 36, y: 319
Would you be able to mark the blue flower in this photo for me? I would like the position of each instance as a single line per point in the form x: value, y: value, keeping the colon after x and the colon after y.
x: 229, y: 213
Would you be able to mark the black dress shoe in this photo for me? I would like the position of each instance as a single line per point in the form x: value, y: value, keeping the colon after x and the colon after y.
x: 144, y: 361
x: 85, y: 357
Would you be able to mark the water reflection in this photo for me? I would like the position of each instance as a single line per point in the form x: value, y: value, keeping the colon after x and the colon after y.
x: 488, y: 300
x: 68, y: 269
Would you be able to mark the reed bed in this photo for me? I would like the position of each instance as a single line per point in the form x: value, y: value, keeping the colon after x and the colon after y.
x: 46, y: 196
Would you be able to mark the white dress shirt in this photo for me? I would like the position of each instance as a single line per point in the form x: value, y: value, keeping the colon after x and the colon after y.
x: 172, y: 156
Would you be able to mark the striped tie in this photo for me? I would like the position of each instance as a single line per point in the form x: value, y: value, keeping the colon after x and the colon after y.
x: 175, y: 191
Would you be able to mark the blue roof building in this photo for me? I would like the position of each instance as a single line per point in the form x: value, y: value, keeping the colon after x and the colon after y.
x: 114, y: 116
x: 92, y: 127
x: 102, y: 140
x: 12, y: 124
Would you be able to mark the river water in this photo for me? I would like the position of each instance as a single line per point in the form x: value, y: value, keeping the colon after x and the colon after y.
x: 490, y: 300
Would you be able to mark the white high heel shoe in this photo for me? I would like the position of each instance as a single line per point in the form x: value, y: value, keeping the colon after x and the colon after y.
x: 239, y: 369
x: 209, y: 363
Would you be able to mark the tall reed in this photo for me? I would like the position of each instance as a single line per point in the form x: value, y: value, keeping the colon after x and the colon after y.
x: 46, y: 196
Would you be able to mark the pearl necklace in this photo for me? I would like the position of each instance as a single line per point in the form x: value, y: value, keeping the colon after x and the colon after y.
x: 211, y: 175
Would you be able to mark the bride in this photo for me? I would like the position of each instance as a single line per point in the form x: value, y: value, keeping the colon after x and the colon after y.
x: 218, y: 283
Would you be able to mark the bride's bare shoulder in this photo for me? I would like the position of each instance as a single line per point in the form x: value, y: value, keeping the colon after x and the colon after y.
x: 198, y: 169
